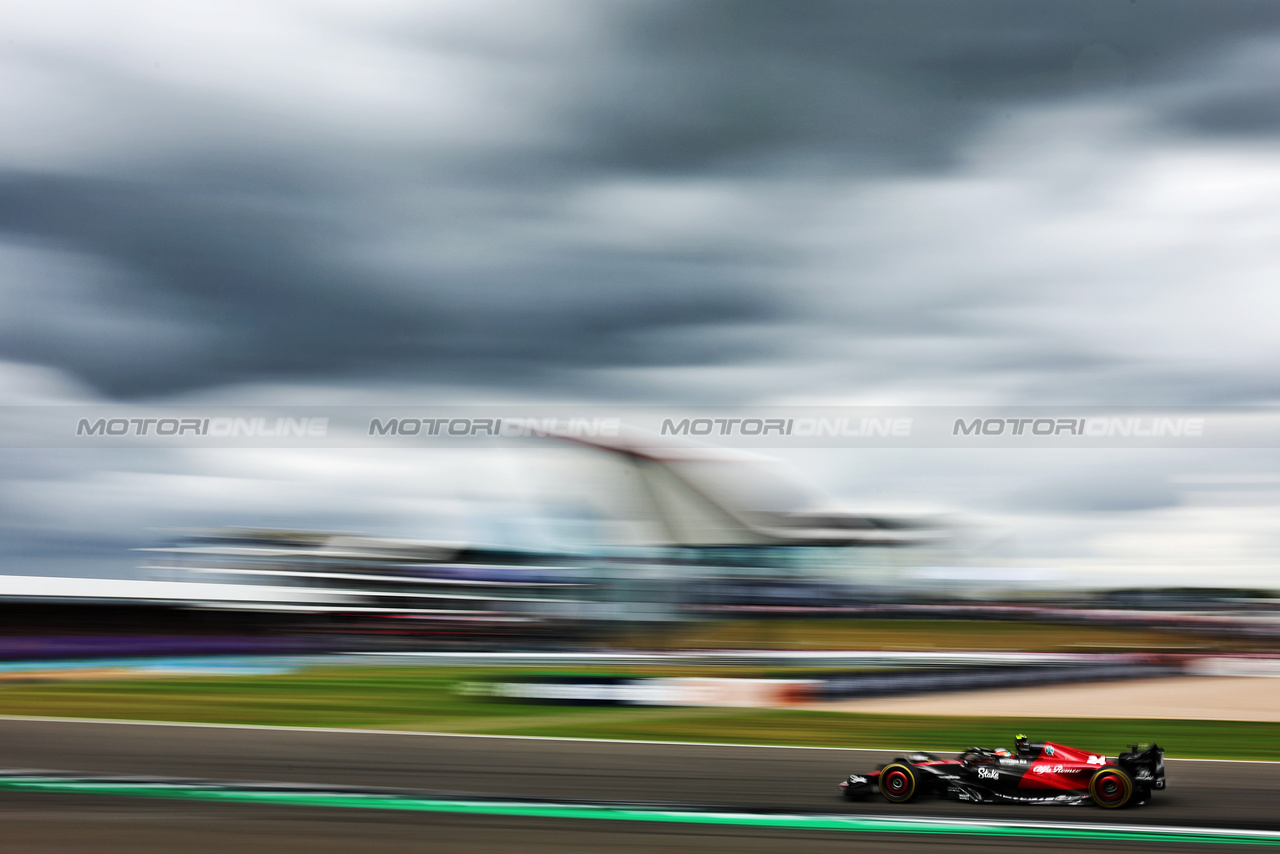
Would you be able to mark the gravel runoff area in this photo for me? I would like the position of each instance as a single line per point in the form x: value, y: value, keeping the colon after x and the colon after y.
x: 1219, y: 698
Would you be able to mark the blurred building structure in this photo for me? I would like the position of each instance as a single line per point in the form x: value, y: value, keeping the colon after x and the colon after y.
x: 695, y: 534
x: 710, y: 534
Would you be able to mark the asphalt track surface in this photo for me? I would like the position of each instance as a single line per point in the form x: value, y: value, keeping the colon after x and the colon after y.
x: 747, y: 779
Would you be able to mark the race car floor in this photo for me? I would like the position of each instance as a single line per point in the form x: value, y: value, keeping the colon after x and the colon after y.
x: 1219, y: 698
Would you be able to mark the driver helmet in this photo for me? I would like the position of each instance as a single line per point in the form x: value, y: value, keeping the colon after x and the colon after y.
x: 1002, y: 753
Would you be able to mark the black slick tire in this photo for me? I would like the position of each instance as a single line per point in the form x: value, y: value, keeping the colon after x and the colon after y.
x: 898, y: 783
x: 1111, y: 788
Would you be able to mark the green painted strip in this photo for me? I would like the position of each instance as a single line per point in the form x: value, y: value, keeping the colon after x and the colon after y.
x: 864, y: 824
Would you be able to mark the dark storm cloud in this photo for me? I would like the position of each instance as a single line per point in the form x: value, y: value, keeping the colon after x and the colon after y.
x: 1258, y: 114
x: 728, y: 85
x: 271, y: 263
x: 277, y: 302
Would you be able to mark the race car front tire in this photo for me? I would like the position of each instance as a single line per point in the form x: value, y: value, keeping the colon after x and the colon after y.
x: 1111, y: 788
x: 898, y: 783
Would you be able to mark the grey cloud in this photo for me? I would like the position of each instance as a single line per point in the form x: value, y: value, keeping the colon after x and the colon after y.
x: 734, y: 85
x: 1091, y: 491
x: 703, y: 201
x: 278, y: 300
x: 1255, y: 115
x: 247, y: 250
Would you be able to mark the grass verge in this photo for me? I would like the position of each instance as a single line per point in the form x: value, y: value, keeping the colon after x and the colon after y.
x: 911, y: 634
x: 425, y: 699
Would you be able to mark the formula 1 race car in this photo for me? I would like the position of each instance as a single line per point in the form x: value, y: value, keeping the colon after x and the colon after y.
x: 1037, y: 773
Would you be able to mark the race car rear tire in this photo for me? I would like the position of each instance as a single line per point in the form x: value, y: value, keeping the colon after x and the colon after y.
x: 1111, y: 788
x: 898, y: 783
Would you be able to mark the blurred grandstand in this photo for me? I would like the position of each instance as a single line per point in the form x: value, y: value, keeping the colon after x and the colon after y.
x: 719, y: 534
x: 704, y: 535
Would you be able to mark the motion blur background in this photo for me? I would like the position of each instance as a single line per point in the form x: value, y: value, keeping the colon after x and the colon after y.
x: 326, y: 204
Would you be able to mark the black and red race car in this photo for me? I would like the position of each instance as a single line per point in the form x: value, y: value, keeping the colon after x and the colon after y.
x: 1036, y: 773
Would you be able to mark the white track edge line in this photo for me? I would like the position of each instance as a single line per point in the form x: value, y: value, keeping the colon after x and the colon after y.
x: 360, y: 731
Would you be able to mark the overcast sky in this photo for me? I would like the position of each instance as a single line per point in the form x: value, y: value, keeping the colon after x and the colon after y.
x: 686, y: 202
